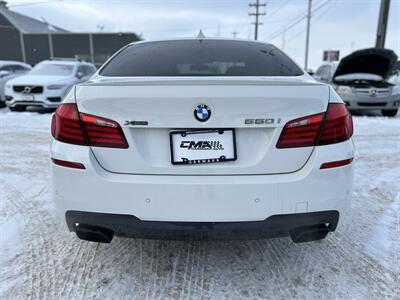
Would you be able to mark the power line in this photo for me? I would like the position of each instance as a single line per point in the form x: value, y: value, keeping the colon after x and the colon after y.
x: 278, y: 9
x: 315, y: 19
x: 257, y: 14
x: 296, y: 20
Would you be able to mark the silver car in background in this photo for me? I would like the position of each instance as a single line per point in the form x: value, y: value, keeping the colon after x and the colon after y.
x: 9, y: 70
x: 361, y: 79
x: 47, y: 83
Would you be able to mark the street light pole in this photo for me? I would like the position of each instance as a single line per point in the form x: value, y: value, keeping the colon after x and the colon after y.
x: 382, y: 24
x: 307, y: 34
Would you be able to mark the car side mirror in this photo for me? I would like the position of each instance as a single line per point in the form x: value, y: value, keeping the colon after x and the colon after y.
x: 80, y: 75
x: 4, y: 73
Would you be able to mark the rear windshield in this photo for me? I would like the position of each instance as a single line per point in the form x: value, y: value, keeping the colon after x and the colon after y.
x: 201, y: 58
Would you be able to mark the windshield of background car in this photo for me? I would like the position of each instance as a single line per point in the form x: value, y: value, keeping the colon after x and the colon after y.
x: 201, y: 58
x: 52, y: 69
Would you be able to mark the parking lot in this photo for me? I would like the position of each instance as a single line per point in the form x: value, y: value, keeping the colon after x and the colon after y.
x: 41, y: 260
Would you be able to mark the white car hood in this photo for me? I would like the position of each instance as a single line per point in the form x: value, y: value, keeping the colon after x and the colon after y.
x: 359, y: 76
x: 41, y: 80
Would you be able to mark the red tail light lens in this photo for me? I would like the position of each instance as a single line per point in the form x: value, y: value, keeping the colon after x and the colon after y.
x: 302, y: 132
x: 65, y: 125
x: 322, y: 129
x: 70, y: 126
x: 103, y: 132
x: 338, y: 126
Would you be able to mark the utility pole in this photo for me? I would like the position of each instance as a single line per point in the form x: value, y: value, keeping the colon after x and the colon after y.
x: 382, y: 24
x: 257, y: 14
x: 218, y: 30
x: 235, y: 33
x: 307, y: 34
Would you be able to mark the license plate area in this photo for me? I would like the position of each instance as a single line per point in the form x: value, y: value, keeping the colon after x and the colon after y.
x: 27, y: 97
x: 202, y: 146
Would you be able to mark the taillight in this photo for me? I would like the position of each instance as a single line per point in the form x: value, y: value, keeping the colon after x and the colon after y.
x: 338, y: 126
x: 103, y: 132
x: 334, y: 126
x: 70, y: 126
x: 65, y: 125
x: 302, y: 132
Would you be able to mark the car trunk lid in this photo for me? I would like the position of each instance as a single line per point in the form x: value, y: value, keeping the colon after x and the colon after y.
x: 148, y: 110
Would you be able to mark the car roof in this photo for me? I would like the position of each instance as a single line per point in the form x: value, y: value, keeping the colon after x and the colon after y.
x: 201, y: 39
x: 13, y: 62
x: 65, y: 62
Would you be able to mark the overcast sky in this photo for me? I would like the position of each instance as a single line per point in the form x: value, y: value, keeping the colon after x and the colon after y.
x: 344, y: 25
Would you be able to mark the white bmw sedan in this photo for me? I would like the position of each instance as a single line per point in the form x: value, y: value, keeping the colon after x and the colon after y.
x: 202, y: 138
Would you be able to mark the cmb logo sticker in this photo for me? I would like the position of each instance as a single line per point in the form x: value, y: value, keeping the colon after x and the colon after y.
x: 202, y: 145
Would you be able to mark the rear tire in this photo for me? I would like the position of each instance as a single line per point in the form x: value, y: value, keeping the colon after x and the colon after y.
x: 389, y: 112
x: 18, y: 108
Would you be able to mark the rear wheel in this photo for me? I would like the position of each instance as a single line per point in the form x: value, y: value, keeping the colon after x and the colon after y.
x: 389, y: 112
x: 18, y: 108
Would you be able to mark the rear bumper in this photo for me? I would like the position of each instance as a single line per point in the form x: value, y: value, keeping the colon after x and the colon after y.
x: 273, y: 226
x: 184, y: 198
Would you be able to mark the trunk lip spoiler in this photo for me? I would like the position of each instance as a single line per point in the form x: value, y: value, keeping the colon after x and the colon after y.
x: 99, y: 80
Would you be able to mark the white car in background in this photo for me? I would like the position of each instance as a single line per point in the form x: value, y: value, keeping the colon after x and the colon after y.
x: 9, y: 70
x: 46, y: 84
x: 362, y: 80
x: 202, y: 138
x: 395, y: 78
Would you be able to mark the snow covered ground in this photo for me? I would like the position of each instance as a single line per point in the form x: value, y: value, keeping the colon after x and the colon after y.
x: 39, y: 259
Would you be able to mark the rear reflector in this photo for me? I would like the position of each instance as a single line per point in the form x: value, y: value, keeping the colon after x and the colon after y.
x: 68, y: 164
x: 334, y: 126
x: 70, y: 126
x: 335, y: 164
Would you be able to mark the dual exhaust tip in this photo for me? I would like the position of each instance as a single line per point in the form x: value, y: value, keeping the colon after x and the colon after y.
x: 298, y: 235
x: 94, y: 233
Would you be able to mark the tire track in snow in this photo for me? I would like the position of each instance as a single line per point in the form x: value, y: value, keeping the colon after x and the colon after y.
x: 88, y: 277
x: 281, y: 279
x: 68, y: 273
x: 363, y: 267
x: 39, y: 258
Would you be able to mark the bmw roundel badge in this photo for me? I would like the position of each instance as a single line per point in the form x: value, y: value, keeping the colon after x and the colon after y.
x: 202, y: 113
